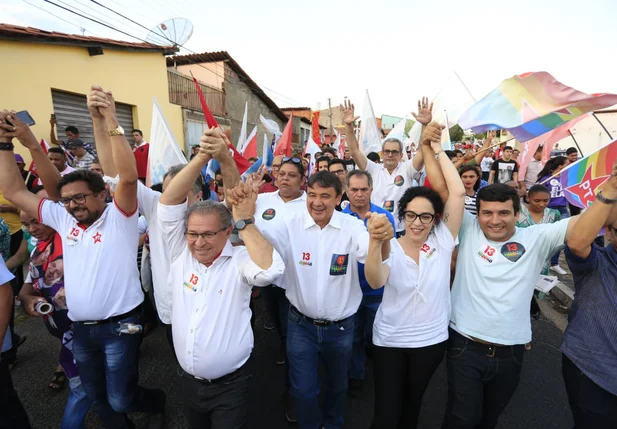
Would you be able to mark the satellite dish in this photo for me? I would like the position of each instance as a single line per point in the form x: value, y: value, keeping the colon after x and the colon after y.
x: 176, y: 31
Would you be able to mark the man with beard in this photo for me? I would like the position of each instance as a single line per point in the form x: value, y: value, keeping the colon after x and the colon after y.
x: 105, y: 304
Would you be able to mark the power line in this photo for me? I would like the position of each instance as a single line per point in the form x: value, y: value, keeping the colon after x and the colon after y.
x: 61, y: 19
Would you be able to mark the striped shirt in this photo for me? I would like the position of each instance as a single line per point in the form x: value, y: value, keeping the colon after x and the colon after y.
x: 590, y: 341
x: 470, y: 203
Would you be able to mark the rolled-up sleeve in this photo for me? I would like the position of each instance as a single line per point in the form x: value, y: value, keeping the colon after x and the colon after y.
x: 255, y: 275
x: 171, y: 221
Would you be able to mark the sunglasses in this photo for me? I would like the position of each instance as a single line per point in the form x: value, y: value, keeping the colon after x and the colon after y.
x: 294, y: 160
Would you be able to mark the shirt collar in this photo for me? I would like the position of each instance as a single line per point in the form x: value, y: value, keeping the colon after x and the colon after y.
x: 335, y: 221
x: 300, y: 198
x: 227, y: 252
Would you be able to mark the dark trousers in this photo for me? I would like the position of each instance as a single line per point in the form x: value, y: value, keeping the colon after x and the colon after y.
x: 401, y: 378
x: 220, y: 404
x: 306, y: 344
x: 12, y: 413
x: 592, y: 407
x: 481, y: 382
x: 107, y: 362
x: 363, y: 334
x: 277, y: 306
x: 486, y: 175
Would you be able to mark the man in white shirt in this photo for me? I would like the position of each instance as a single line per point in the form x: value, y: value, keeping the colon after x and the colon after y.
x: 531, y: 175
x: 496, y: 272
x: 58, y: 158
x: 212, y: 280
x: 271, y: 208
x: 102, y: 285
x: 321, y: 248
x: 394, y: 176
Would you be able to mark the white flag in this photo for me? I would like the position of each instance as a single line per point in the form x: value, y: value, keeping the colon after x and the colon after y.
x: 164, y: 151
x: 398, y: 132
x: 370, y: 137
x: 242, y: 137
x: 312, y: 148
x: 271, y: 126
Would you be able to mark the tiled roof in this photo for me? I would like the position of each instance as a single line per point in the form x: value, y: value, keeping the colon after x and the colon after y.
x: 36, y: 35
x: 212, y: 57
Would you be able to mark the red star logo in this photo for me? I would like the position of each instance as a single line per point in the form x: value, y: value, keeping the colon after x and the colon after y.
x: 97, y: 237
x: 586, y: 189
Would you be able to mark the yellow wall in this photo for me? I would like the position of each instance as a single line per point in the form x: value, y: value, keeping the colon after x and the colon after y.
x: 32, y: 70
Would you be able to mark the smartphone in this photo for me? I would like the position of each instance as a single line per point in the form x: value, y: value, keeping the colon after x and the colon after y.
x: 53, y: 116
x: 25, y: 117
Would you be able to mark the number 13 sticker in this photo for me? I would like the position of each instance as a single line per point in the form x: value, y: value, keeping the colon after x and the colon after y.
x: 513, y: 251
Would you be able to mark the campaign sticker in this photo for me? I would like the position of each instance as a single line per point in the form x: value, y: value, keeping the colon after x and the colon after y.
x: 486, y: 253
x: 513, y: 251
x: 338, y: 266
x: 268, y: 214
x: 389, y: 205
x: 399, y: 180
x: 344, y: 204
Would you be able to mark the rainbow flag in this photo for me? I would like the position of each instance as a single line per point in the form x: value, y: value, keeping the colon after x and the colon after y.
x: 530, y: 105
x: 583, y: 179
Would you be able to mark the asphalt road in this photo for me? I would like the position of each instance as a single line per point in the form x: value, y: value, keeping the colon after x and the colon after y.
x: 540, y: 401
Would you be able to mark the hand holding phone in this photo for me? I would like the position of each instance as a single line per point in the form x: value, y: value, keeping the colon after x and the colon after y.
x: 23, y: 116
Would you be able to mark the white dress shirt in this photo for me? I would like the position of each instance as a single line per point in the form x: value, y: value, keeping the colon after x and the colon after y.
x: 389, y: 188
x: 270, y: 210
x: 100, y: 269
x: 322, y: 264
x: 211, y: 318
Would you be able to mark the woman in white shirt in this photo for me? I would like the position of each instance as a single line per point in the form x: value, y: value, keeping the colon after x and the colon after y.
x: 411, y: 326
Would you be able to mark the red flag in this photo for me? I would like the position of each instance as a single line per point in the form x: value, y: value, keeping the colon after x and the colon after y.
x: 315, y: 127
x: 250, y: 151
x: 32, y: 168
x: 241, y: 162
x: 283, y: 147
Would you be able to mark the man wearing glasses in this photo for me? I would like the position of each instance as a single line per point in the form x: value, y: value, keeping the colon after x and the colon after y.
x: 338, y: 167
x: 105, y: 304
x: 211, y: 318
x: 394, y: 176
x: 270, y: 185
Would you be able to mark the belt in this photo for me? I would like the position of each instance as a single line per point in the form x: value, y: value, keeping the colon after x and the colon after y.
x: 219, y: 380
x: 491, y: 349
x: 318, y: 322
x: 112, y: 319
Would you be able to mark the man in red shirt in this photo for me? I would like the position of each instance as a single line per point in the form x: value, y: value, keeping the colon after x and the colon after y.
x: 140, y: 150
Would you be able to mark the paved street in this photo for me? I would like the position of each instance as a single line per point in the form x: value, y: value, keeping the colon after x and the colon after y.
x: 540, y: 401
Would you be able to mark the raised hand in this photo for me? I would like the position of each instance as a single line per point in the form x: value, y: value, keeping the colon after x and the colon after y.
x: 348, y: 113
x: 242, y: 199
x: 255, y: 180
x: 432, y: 135
x: 611, y: 183
x: 379, y: 227
x: 96, y: 100
x: 213, y: 144
x: 13, y: 127
x: 425, y: 111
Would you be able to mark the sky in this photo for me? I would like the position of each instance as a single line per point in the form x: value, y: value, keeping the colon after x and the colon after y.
x: 302, y: 53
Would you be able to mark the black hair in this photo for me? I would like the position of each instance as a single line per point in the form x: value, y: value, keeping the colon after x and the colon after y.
x: 252, y: 158
x: 325, y: 179
x: 307, y: 155
x: 56, y: 150
x: 501, y: 193
x: 158, y: 187
x: 507, y: 148
x: 551, y: 166
x: 337, y: 161
x: 466, y: 168
x: 217, y: 172
x: 36, y: 189
x: 137, y: 131
x: 537, y: 188
x: 71, y: 129
x: 450, y: 154
x: 323, y: 159
x: 94, y: 181
x: 539, y: 149
x: 298, y: 165
x: 329, y: 150
x: 457, y: 151
x: 422, y: 192
x: 374, y: 156
x: 571, y: 150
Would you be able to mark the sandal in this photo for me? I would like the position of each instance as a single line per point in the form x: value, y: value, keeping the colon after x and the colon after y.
x: 58, y: 380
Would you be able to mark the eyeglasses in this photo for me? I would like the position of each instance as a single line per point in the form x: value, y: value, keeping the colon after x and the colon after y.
x: 292, y: 159
x: 77, y: 199
x: 338, y: 172
x: 425, y: 218
x: 392, y: 152
x: 276, y: 166
x: 193, y: 236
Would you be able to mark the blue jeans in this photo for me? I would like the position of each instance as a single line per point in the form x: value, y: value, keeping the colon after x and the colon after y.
x: 77, y: 406
x: 306, y: 343
x: 563, y: 211
x: 107, y: 362
x: 363, y: 334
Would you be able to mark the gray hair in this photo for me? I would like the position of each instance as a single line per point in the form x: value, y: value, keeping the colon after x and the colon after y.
x: 359, y: 173
x: 174, y: 170
x: 393, y: 140
x: 209, y: 207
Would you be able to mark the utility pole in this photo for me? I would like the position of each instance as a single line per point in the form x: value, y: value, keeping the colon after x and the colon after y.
x: 330, y: 116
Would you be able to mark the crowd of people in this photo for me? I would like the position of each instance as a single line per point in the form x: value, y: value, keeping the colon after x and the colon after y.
x: 418, y: 256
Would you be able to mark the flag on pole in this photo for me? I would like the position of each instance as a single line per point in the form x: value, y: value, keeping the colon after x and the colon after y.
x: 272, y: 127
x: 267, y: 155
x: 242, y: 163
x: 283, y: 147
x: 164, y: 151
x: 547, y: 141
x: 242, y: 140
x: 582, y: 180
x: 370, y: 137
x: 530, y: 105
x: 250, y: 146
x: 312, y: 148
x: 316, y: 132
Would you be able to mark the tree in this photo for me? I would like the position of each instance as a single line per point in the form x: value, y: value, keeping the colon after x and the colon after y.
x: 456, y: 133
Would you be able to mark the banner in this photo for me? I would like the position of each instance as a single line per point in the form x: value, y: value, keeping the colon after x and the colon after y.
x: 242, y: 140
x: 370, y: 136
x: 283, y: 147
x: 316, y: 132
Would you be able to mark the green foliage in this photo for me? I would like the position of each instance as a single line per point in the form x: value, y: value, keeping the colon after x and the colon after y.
x: 456, y: 133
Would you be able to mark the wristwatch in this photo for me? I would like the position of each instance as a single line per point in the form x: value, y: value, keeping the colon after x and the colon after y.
x: 119, y: 131
x: 605, y: 200
x: 439, y: 153
x: 243, y: 223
